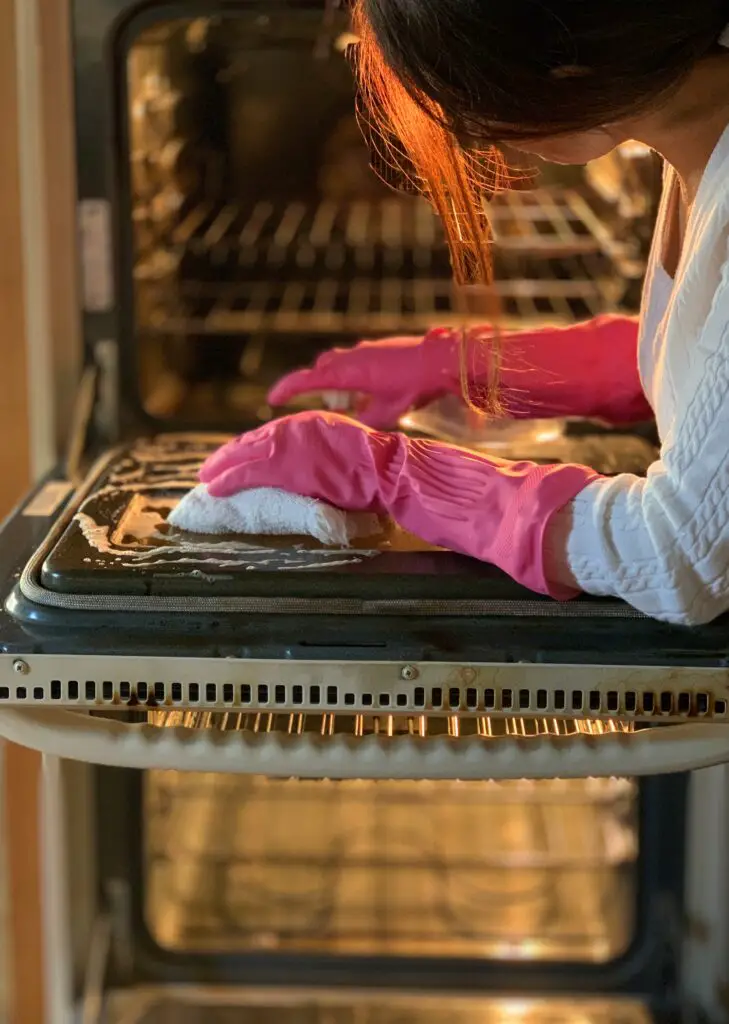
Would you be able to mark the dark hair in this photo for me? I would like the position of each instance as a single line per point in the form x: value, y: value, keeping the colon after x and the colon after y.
x: 532, y: 68
x: 443, y: 81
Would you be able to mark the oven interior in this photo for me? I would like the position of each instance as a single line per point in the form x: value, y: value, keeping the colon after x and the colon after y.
x: 258, y: 234
x: 252, y: 234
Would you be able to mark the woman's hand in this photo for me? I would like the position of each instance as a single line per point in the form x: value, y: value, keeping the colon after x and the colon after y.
x: 316, y: 454
x: 588, y: 369
x: 488, y: 508
x: 394, y: 375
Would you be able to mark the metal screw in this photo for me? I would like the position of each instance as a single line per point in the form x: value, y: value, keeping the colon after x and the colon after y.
x: 21, y: 667
x: 408, y: 673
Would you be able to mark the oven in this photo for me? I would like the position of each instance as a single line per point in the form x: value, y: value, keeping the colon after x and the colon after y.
x: 295, y: 783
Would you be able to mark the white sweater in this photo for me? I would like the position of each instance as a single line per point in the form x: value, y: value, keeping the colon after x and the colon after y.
x: 662, y: 543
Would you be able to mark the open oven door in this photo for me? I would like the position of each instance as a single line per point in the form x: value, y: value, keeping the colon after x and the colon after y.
x: 361, y: 663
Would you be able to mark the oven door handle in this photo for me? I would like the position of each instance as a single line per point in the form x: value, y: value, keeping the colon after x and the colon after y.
x: 78, y: 736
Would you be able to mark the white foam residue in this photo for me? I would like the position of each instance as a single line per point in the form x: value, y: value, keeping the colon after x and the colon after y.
x: 155, y: 475
x: 228, y: 553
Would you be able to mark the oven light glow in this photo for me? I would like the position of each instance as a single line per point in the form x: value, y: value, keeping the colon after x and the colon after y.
x: 525, y: 949
x: 514, y: 1011
x: 529, y: 1011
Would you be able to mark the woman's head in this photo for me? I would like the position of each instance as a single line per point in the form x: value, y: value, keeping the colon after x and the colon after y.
x: 450, y: 79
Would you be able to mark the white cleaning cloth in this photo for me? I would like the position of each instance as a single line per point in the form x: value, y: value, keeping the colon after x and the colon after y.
x: 269, y: 511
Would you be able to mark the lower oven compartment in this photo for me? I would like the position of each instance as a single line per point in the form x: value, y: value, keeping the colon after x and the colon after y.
x: 522, y: 896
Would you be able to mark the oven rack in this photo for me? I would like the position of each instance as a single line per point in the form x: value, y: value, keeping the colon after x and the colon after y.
x: 430, y: 727
x: 460, y: 867
x: 369, y: 267
x: 544, y: 222
x: 365, y: 305
x: 455, y: 726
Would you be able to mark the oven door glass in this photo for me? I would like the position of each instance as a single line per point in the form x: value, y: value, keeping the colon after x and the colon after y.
x: 526, y: 871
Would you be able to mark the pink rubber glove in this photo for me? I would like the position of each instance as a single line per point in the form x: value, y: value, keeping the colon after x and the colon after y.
x: 588, y: 370
x: 488, y: 508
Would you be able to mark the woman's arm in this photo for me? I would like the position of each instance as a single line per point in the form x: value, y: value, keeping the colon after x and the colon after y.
x: 588, y: 369
x: 662, y: 543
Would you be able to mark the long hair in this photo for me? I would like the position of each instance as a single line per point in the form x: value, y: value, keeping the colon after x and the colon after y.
x: 443, y: 82
x: 409, y: 136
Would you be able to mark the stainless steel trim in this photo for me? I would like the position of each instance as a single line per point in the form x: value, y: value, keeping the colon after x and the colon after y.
x: 115, y: 683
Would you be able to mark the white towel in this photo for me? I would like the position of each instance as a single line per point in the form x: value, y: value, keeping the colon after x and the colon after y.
x: 269, y: 511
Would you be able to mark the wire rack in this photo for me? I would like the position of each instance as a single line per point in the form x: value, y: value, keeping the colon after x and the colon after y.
x: 524, y: 870
x: 547, y: 222
x: 369, y: 267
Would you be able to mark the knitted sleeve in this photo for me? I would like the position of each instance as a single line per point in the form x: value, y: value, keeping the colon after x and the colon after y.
x: 662, y: 543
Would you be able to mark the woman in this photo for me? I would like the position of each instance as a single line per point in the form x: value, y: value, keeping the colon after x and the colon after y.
x: 567, y: 80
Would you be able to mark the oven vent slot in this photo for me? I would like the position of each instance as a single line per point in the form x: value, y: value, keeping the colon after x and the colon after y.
x: 358, y: 726
x: 467, y: 700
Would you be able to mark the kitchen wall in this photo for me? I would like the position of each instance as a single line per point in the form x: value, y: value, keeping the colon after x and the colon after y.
x: 39, y: 342
x: 39, y: 310
x: 3, y: 910
x: 14, y: 434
